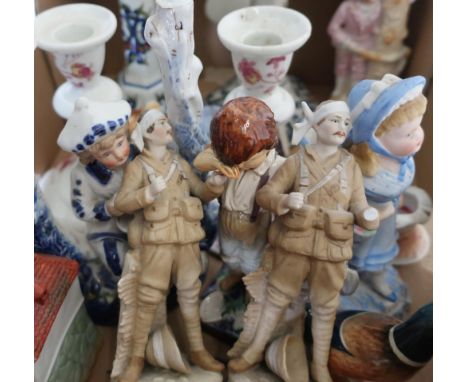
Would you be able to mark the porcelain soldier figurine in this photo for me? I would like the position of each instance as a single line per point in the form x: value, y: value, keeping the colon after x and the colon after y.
x: 386, y: 134
x: 243, y: 225
x: 97, y: 132
x: 159, y: 183
x: 317, y: 195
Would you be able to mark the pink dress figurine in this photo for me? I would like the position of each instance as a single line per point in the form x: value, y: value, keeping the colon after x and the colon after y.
x: 353, y: 29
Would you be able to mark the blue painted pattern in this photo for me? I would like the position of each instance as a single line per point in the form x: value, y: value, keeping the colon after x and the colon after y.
x: 100, y: 212
x: 78, y: 208
x: 98, y: 286
x: 133, y: 26
x: 112, y: 256
x: 99, y: 172
x: 99, y: 130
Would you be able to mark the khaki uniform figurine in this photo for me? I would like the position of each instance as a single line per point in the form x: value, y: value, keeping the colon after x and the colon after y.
x: 317, y: 195
x: 160, y: 183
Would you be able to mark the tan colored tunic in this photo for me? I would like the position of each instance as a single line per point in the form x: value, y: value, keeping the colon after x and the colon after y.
x: 174, y: 217
x: 311, y: 239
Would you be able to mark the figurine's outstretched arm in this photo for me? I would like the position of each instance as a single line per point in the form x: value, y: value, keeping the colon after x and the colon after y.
x: 366, y: 217
x: 169, y: 31
x: 203, y: 190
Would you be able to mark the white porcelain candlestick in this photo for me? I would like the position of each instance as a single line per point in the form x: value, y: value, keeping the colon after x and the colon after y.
x: 262, y: 40
x: 76, y: 35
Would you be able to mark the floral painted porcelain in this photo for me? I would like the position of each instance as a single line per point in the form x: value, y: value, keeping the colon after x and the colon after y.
x: 262, y: 40
x: 76, y: 35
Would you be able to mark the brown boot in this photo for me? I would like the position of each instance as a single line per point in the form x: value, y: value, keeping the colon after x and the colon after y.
x: 189, y: 307
x: 133, y: 370
x: 205, y: 360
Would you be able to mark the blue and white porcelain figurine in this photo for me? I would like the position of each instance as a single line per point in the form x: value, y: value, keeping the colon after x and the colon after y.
x: 141, y: 79
x: 386, y: 134
x: 97, y: 133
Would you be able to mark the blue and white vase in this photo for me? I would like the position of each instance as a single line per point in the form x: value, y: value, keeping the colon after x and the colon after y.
x: 141, y: 79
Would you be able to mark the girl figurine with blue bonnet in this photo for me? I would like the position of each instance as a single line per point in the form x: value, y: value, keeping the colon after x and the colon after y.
x: 97, y: 132
x: 386, y: 117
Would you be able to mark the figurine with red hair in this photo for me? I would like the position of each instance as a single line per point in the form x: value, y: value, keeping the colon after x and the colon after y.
x: 243, y: 136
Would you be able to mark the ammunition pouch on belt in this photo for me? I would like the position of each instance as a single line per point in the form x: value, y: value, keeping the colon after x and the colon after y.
x: 190, y: 208
x: 338, y: 225
x: 157, y: 211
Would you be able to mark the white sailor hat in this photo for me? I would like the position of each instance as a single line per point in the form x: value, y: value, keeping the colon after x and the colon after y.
x: 91, y: 121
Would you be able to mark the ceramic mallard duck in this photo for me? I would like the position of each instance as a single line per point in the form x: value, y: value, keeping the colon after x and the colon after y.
x: 376, y: 347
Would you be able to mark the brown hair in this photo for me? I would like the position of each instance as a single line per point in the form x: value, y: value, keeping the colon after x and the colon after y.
x: 365, y: 157
x: 87, y: 156
x: 242, y: 128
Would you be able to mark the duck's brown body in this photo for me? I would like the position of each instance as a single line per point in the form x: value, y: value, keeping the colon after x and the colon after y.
x: 364, y: 350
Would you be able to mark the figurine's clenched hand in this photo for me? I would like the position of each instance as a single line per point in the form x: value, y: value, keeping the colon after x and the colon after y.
x: 368, y: 219
x: 157, y: 184
x: 111, y: 209
x: 294, y: 201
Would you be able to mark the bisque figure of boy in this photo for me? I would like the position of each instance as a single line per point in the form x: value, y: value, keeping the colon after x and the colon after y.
x: 97, y: 132
x: 317, y: 196
x: 160, y: 183
x: 243, y: 135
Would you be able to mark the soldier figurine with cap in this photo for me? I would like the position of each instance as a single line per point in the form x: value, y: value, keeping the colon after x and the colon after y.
x: 317, y: 195
x: 159, y: 185
x: 97, y: 132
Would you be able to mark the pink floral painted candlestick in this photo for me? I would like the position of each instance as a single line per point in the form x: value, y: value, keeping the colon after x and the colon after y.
x: 76, y: 35
x: 262, y: 40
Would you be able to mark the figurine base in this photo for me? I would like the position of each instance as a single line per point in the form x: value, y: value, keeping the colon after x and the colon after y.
x: 152, y: 374
x: 101, y: 89
x: 257, y: 374
x: 365, y: 298
x: 279, y: 100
